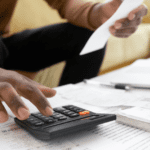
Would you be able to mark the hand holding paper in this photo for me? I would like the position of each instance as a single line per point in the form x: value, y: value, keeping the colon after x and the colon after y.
x: 109, y: 14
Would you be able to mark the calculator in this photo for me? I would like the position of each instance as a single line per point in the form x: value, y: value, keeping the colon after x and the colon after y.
x: 65, y: 120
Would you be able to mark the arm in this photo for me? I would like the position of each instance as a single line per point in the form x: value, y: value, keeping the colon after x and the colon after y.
x: 75, y: 11
x: 92, y: 15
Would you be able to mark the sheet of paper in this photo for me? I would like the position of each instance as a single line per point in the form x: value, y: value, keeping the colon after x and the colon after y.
x: 101, y: 35
x: 136, y: 74
x: 137, y: 113
x: 101, y: 97
x: 104, y: 137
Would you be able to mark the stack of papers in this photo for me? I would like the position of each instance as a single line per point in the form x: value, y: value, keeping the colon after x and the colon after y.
x: 136, y: 75
x: 136, y: 117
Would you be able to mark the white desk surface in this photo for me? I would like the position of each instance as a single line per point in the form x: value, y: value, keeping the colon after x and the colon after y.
x: 108, y: 136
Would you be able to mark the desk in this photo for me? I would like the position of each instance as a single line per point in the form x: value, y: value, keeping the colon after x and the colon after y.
x: 108, y: 136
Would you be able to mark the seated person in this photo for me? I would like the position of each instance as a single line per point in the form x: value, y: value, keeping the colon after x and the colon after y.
x: 33, y: 50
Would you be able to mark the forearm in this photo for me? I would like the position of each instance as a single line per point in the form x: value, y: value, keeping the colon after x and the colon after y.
x: 76, y: 12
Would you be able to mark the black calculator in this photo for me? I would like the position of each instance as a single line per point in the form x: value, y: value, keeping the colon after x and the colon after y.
x: 65, y: 120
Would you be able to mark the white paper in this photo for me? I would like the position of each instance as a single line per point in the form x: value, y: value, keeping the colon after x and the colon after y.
x: 137, y: 74
x: 105, y: 136
x: 101, y: 35
x: 101, y: 97
x: 137, y: 113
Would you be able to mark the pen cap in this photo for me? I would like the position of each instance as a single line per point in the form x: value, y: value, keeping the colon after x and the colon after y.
x: 122, y: 86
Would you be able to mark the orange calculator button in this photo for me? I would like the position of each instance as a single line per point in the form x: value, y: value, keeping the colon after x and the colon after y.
x: 84, y: 112
x: 87, y: 112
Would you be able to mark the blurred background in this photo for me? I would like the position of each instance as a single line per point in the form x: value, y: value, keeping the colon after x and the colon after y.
x: 120, y: 52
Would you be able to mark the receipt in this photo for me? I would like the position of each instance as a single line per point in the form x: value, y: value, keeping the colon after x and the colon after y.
x: 101, y: 35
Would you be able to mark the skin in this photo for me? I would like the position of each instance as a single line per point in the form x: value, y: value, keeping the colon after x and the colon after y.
x: 13, y: 85
x: 122, y: 28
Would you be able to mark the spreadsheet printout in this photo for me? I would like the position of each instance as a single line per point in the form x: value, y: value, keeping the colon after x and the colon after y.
x: 104, y: 136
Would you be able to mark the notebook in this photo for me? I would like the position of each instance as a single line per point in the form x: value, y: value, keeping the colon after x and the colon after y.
x: 136, y: 117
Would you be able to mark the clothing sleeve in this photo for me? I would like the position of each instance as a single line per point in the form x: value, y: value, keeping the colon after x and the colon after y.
x: 75, y: 11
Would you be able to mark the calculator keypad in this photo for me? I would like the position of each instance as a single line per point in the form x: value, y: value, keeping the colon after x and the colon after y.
x: 61, y: 115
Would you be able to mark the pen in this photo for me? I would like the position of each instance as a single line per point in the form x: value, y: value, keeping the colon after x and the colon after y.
x: 115, y: 86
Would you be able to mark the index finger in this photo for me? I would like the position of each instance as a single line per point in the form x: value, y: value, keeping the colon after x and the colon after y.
x: 141, y: 11
x: 48, y: 92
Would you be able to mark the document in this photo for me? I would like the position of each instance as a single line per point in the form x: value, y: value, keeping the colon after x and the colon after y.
x: 135, y: 75
x: 101, y: 35
x: 136, y: 117
x: 104, y: 136
x: 99, y: 96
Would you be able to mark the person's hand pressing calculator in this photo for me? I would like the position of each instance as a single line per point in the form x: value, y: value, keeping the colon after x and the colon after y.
x: 65, y: 120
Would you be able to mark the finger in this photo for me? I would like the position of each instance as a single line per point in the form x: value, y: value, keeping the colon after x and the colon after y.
x: 122, y: 32
x: 13, y: 100
x: 125, y: 23
x: 125, y: 33
x: 32, y: 93
x: 3, y: 113
x: 138, y: 12
x: 48, y: 92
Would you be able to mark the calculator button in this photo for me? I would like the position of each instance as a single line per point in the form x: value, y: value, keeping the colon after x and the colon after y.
x: 59, y: 109
x: 78, y: 110
x: 87, y: 112
x: 31, y: 118
x: 68, y: 106
x: 62, y: 118
x: 58, y: 116
x: 70, y: 112
x: 35, y: 122
x: 37, y: 114
x: 74, y: 115
x: 56, y: 113
x: 84, y: 112
x: 65, y: 111
x: 50, y: 121
x: 39, y: 123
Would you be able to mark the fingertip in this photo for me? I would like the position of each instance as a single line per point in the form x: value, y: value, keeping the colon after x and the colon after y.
x: 49, y: 111
x: 112, y: 30
x: 23, y: 113
x: 131, y: 16
x: 54, y: 92
x: 3, y: 117
x: 48, y: 92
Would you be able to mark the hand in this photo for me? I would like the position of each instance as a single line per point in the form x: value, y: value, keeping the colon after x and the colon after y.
x: 13, y: 84
x: 125, y: 27
x: 122, y: 28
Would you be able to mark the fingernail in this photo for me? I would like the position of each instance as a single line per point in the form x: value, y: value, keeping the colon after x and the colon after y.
x: 118, y: 26
x: 47, y: 89
x: 133, y: 17
x: 23, y: 113
x: 49, y: 111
